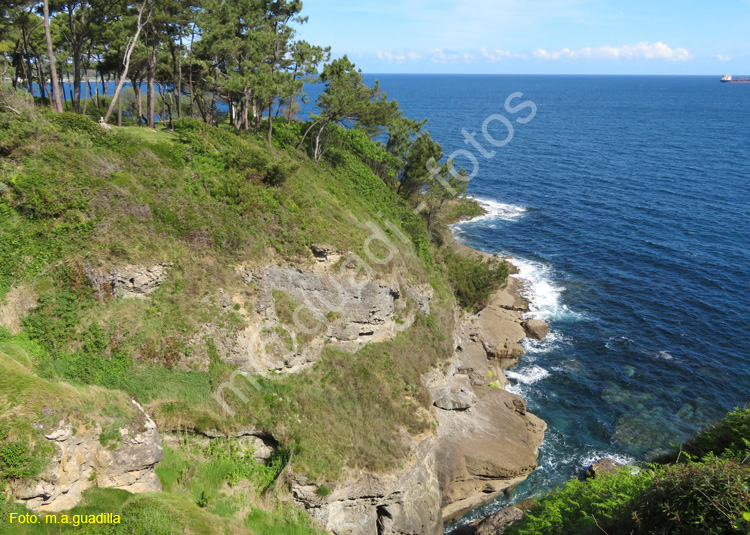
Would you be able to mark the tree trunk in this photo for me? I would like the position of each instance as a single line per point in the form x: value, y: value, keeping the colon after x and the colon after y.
x: 56, y: 100
x: 301, y: 141
x: 119, y: 105
x: 246, y: 108
x: 126, y: 66
x: 86, y: 93
x: 317, y: 144
x: 270, y: 123
x: 190, y: 75
x: 76, y: 41
x: 150, y: 96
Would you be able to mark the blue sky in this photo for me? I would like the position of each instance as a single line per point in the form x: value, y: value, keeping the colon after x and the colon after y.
x: 535, y: 36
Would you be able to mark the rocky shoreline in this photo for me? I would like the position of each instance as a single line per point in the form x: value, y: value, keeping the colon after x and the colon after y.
x: 486, y: 442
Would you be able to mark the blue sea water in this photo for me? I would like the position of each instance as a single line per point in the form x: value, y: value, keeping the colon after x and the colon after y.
x: 625, y: 202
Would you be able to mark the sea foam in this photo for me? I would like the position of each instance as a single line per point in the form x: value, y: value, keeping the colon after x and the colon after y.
x: 544, y: 295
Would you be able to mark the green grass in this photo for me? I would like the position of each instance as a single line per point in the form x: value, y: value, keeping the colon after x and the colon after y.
x: 75, y: 197
x: 144, y: 514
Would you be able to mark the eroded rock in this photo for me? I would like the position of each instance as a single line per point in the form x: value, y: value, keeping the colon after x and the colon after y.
x: 536, y: 329
x: 406, y: 503
x: 485, y: 450
x: 493, y: 524
x: 458, y: 396
x: 128, y: 281
x: 82, y: 462
x: 301, y: 310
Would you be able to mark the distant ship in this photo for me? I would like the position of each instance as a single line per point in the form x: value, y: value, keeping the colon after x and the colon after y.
x: 727, y: 78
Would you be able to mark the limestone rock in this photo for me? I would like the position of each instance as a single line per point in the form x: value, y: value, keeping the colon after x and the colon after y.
x: 458, y: 396
x: 536, y: 329
x: 128, y: 281
x: 485, y: 450
x: 510, y: 297
x: 342, y: 309
x: 493, y: 524
x: 324, y: 252
x: 16, y: 306
x: 82, y: 462
x: 260, y: 442
x: 404, y: 503
x: 603, y: 466
x: 499, y: 331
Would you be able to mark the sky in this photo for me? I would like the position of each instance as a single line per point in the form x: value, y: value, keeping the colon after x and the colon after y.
x: 535, y: 36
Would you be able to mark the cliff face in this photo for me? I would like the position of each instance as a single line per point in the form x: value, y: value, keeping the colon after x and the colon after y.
x: 486, y: 441
x: 165, y: 269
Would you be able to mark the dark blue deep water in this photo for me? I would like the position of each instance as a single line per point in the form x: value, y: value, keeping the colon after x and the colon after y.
x: 626, y: 202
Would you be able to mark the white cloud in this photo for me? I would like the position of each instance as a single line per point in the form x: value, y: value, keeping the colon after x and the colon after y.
x: 441, y: 56
x: 499, y: 55
x: 643, y: 50
x: 721, y: 57
x: 398, y: 57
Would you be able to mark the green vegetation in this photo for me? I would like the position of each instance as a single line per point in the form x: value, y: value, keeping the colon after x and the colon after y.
x: 706, y: 494
x: 143, y: 514
x: 474, y: 279
x: 78, y: 199
x: 208, y: 192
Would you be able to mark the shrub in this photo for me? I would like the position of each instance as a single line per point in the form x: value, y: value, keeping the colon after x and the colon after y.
x: 473, y: 279
x: 75, y: 122
x: 578, y: 507
x: 19, y: 120
x: 696, y: 498
x: 23, y: 452
x: 286, y: 134
x: 277, y: 173
x: 323, y: 491
x: 188, y: 124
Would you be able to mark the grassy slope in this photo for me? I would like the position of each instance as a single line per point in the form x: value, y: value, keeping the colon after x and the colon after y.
x: 74, y: 196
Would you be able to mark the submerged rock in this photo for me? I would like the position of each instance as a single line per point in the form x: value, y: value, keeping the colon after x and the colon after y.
x: 493, y: 524
x: 603, y: 466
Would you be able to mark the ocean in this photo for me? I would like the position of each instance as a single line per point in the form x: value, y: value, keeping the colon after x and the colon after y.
x: 625, y: 203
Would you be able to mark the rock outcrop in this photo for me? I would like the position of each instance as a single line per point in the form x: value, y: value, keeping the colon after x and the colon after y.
x: 486, y: 441
x: 15, y: 307
x: 248, y: 439
x: 496, y: 332
x: 405, y: 503
x: 128, y: 281
x: 81, y: 461
x: 299, y: 311
x: 485, y: 450
x: 536, y: 329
